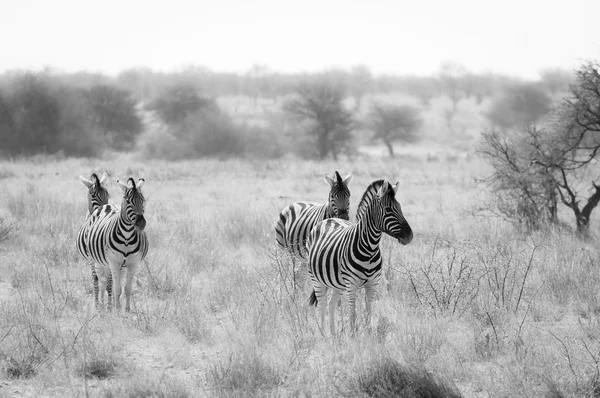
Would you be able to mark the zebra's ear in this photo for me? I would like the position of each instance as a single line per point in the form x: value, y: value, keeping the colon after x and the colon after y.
x: 85, y: 181
x: 396, y: 187
x: 385, y: 187
x: 347, y: 179
x: 104, y: 178
x: 140, y: 183
x: 329, y: 180
x: 124, y: 187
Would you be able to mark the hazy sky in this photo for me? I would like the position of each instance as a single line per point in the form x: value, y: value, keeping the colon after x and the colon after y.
x: 518, y: 37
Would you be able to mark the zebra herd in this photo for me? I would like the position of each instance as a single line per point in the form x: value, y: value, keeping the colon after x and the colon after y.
x: 342, y: 256
x: 112, y: 238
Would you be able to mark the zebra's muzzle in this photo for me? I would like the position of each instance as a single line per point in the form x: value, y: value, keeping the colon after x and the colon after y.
x: 405, y: 236
x: 140, y: 222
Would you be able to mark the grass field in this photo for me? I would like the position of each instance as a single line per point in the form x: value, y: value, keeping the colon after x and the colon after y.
x: 471, y: 307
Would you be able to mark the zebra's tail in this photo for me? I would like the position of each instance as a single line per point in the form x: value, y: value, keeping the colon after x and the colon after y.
x: 313, y: 299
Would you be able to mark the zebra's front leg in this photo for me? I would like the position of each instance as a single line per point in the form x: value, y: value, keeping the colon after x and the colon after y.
x: 101, y: 274
x: 333, y: 301
x: 351, y: 294
x: 370, y: 295
x: 131, y: 270
x: 116, y: 278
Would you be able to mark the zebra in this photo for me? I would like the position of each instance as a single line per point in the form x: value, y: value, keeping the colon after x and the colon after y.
x: 345, y: 256
x: 117, y: 242
x: 296, y: 220
x: 97, y: 197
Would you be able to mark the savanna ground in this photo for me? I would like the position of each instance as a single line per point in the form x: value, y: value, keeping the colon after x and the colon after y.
x: 472, y: 306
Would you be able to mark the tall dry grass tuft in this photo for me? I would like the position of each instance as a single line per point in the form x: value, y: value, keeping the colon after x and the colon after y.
x: 162, y: 386
x: 385, y: 377
x: 244, y: 373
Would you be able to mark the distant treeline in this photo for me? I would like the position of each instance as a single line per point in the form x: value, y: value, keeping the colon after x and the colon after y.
x: 177, y: 115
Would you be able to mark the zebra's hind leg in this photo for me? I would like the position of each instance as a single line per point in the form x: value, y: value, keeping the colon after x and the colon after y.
x: 109, y: 283
x: 95, y: 283
x: 319, y: 298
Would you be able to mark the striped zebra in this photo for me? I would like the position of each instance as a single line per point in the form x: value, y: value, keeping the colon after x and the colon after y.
x: 116, y: 241
x: 345, y: 256
x: 296, y: 220
x: 97, y: 197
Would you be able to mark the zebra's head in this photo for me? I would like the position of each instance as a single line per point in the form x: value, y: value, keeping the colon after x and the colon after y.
x: 134, y: 202
x: 97, y: 194
x: 339, y: 195
x: 392, y: 220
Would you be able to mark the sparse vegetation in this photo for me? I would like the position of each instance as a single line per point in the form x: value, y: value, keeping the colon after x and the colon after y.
x: 472, y: 305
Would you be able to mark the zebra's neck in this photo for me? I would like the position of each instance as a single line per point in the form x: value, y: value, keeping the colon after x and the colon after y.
x: 367, y: 228
x: 124, y: 226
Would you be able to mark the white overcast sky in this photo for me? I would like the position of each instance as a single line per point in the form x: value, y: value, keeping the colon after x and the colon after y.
x: 516, y: 37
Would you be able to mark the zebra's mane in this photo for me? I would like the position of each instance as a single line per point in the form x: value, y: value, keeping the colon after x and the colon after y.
x: 367, y: 198
x: 95, y: 179
x: 132, y: 182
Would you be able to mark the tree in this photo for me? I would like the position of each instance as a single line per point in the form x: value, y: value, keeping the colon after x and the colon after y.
x: 36, y: 116
x: 115, y: 115
x: 521, y: 191
x: 557, y: 164
x: 394, y: 123
x: 7, y: 137
x: 178, y: 101
x: 321, y: 105
x: 451, y: 78
x: 521, y: 106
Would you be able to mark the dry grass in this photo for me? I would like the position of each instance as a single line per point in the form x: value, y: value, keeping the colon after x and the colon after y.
x: 470, y: 308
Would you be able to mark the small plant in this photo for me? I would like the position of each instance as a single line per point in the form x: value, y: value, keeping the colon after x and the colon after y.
x: 447, y: 282
x: 98, y: 368
x: 244, y: 374
x: 385, y: 377
x: 5, y: 230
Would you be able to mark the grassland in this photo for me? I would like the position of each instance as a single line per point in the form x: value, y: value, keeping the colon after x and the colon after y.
x: 470, y: 307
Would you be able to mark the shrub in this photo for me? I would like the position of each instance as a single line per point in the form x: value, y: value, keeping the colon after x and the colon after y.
x: 385, y: 377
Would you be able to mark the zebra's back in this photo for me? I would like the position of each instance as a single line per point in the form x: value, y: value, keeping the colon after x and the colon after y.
x: 295, y: 223
x: 84, y: 231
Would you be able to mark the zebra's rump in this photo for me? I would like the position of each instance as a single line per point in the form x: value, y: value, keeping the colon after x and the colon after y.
x: 295, y: 223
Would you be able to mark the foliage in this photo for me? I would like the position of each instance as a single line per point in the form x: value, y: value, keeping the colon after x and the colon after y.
x: 35, y: 116
x: 177, y: 102
x: 394, y: 123
x: 385, y: 377
x: 521, y: 106
x: 535, y: 168
x: 115, y: 114
x: 321, y: 105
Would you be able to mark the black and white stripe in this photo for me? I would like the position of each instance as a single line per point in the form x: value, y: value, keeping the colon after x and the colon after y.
x: 296, y: 220
x: 345, y: 256
x: 116, y: 240
x: 97, y: 197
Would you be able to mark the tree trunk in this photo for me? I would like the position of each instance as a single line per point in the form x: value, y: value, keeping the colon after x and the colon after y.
x: 323, y: 144
x: 389, y: 146
x: 583, y: 217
